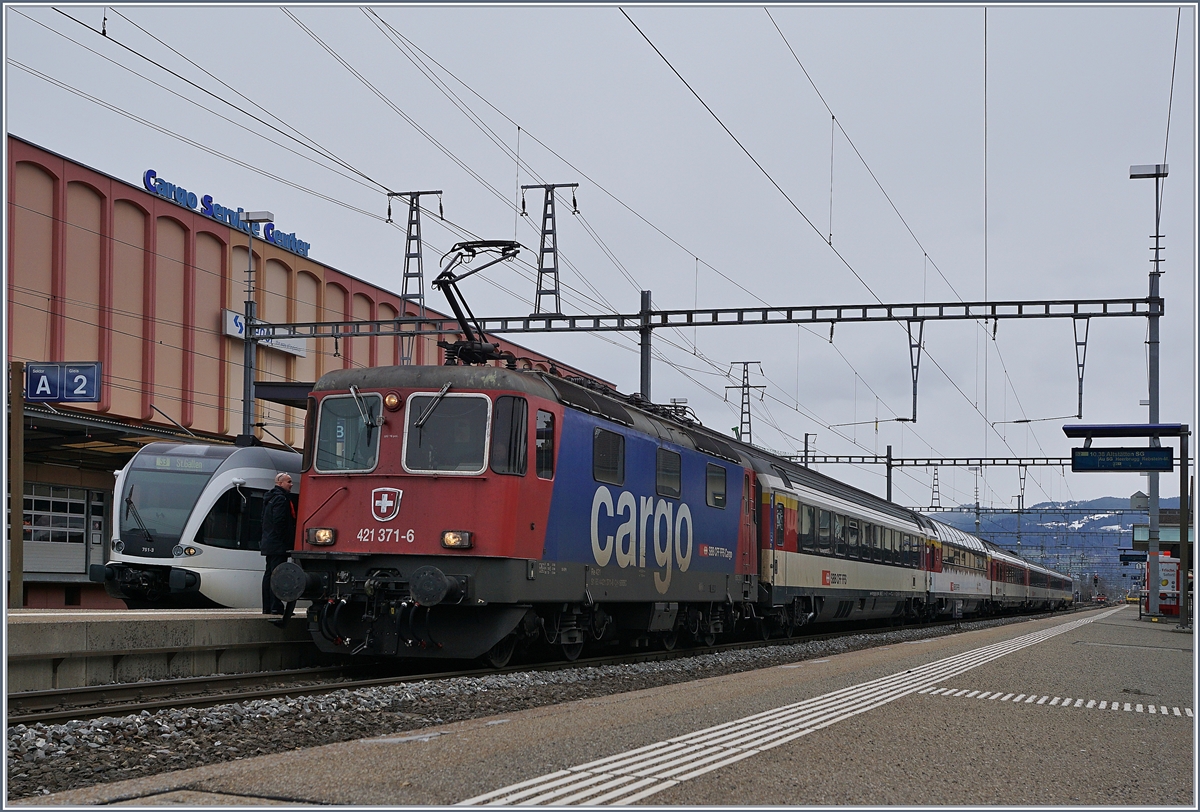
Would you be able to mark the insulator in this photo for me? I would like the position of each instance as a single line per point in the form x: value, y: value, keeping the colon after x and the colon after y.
x: 574, y: 205
x: 389, y: 217
x: 441, y: 212
x: 523, y: 204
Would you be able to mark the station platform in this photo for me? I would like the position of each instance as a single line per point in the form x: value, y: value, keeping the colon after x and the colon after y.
x: 66, y: 648
x: 1090, y: 709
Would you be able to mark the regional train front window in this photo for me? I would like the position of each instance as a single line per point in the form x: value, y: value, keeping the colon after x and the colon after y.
x: 452, y: 437
x: 347, y: 437
x: 159, y: 493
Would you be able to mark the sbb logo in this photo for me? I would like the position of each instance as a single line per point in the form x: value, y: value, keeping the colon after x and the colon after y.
x: 671, y: 529
x: 832, y: 578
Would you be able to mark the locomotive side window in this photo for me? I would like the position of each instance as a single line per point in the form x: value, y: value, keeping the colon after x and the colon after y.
x: 545, y: 445
x: 668, y: 473
x: 510, y: 432
x: 452, y: 437
x: 345, y: 440
x: 608, y: 457
x: 716, y: 486
x: 234, y: 523
x: 808, y: 528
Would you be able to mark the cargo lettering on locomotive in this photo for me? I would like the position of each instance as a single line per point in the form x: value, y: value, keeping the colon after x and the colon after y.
x: 669, y: 527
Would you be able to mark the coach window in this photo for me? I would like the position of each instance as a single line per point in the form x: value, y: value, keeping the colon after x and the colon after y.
x: 852, y: 537
x: 544, y: 445
x: 608, y: 457
x: 667, y: 476
x: 871, y: 539
x: 824, y: 532
x: 839, y: 535
x: 510, y: 433
x: 808, y: 528
x: 716, y: 486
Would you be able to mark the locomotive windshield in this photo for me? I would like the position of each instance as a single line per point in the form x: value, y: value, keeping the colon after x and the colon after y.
x: 160, y: 491
x: 453, y: 437
x: 347, y: 437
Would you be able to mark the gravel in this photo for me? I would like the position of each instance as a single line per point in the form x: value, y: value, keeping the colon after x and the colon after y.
x: 47, y: 758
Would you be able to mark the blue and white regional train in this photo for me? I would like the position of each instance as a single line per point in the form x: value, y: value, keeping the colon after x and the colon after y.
x: 465, y: 511
x: 189, y: 524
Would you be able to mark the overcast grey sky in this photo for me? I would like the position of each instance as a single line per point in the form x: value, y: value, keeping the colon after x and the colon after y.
x: 1074, y: 95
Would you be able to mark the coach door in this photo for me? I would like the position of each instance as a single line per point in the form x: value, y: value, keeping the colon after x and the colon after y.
x: 749, y: 534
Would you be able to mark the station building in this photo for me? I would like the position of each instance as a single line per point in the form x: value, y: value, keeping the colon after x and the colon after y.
x: 145, y: 277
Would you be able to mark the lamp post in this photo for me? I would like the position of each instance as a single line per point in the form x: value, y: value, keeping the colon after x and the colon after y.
x: 1158, y: 172
x: 251, y: 219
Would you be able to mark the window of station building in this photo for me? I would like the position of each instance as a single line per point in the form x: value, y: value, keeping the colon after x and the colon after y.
x: 852, y: 541
x: 510, y: 433
x: 808, y: 528
x: 59, y: 513
x: 839, y: 535
x: 235, y: 520
x: 715, y: 478
x: 544, y: 445
x: 825, y: 532
x: 608, y: 457
x: 668, y: 473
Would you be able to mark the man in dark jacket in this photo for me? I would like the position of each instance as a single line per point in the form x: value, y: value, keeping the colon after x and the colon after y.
x: 278, y: 536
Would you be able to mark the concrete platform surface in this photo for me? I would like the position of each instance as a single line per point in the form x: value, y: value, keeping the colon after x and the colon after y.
x: 63, y: 648
x: 949, y: 721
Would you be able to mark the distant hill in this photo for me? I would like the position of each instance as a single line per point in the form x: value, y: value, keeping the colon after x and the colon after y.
x: 1071, y: 537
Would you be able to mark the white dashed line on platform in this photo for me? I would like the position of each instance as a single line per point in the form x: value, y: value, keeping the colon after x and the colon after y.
x: 1069, y: 702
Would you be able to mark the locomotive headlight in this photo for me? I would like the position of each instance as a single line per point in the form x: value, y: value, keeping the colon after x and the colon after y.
x: 391, y: 401
x: 190, y: 550
x: 320, y: 535
x: 177, y: 551
x: 456, y: 539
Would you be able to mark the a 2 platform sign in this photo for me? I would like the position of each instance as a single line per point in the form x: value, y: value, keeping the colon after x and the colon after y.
x: 63, y: 383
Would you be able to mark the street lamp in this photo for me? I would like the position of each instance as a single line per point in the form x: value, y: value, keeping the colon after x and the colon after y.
x: 1158, y: 172
x: 251, y: 219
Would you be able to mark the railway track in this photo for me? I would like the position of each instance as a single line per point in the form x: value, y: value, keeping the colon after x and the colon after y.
x: 122, y: 699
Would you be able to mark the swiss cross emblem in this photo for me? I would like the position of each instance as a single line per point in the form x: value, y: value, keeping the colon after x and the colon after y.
x: 385, y: 503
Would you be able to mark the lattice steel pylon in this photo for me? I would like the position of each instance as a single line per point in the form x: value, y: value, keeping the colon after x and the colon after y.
x: 413, y: 285
x: 935, y: 501
x: 547, y: 280
x: 744, y: 428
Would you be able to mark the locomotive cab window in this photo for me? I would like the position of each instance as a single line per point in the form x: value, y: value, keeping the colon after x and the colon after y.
x: 347, y: 437
x: 452, y: 437
x: 668, y: 473
x: 608, y: 457
x: 716, y: 486
x: 510, y: 430
x: 545, y: 445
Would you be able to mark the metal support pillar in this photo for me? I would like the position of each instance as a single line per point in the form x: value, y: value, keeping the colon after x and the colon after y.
x: 413, y: 283
x: 1080, y: 359
x: 914, y: 358
x: 889, y: 473
x: 1184, y: 508
x: 1153, y: 575
x: 806, y: 436
x: 16, y: 485
x: 745, y: 433
x: 644, y: 335
x: 547, y: 280
x: 250, y: 344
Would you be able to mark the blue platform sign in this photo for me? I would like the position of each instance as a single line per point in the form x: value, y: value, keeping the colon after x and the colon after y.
x: 63, y: 383
x: 1122, y: 459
